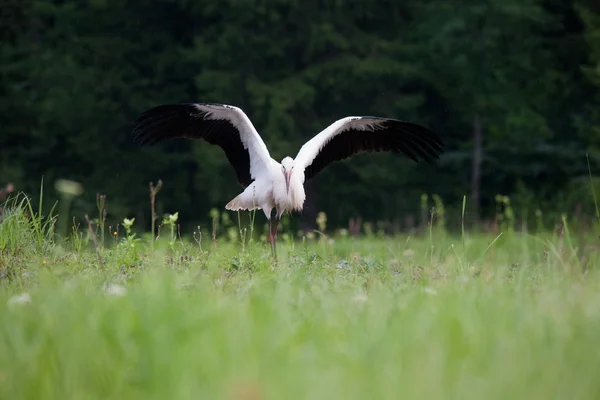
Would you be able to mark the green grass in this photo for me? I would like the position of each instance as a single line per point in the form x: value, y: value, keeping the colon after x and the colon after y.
x: 514, y: 317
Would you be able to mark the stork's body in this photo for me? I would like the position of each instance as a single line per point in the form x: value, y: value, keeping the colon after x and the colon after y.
x: 277, y: 190
x: 267, y: 183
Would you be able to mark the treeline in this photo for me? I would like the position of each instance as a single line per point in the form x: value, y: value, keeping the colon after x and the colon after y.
x: 511, y: 85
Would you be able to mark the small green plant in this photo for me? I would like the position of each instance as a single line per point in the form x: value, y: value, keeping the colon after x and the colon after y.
x: 153, y: 216
x: 77, y: 239
x: 127, y: 224
x: 424, y: 209
x: 198, y: 237
x: 214, y: 215
x: 440, y: 215
x: 322, y: 221
x: 368, y: 227
x: 67, y: 190
x: 504, y: 213
x: 101, y: 221
x: 226, y: 220
x: 592, y: 189
x: 246, y: 237
x: 462, y: 228
x: 539, y: 221
x: 233, y: 234
x: 170, y: 220
x: 127, y: 247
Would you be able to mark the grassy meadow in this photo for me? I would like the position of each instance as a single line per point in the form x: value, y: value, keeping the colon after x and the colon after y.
x: 433, y: 315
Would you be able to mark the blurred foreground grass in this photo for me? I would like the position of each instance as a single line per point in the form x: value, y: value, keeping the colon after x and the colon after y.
x: 343, y: 318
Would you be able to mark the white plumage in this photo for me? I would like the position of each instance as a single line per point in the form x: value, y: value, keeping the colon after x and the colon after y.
x: 267, y: 183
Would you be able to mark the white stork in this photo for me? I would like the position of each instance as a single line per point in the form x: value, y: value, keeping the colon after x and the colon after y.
x: 267, y: 183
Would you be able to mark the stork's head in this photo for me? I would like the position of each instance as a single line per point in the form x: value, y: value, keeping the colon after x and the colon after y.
x: 287, y: 166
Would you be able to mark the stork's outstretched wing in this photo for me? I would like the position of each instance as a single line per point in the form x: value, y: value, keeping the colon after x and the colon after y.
x: 352, y: 135
x: 223, y: 125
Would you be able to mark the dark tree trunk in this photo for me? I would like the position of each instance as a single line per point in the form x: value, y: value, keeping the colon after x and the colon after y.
x: 476, y: 167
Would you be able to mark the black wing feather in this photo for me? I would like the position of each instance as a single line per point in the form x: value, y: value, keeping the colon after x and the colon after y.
x: 414, y: 141
x: 187, y: 121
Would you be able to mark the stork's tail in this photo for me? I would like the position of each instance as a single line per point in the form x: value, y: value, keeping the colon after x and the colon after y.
x: 236, y: 204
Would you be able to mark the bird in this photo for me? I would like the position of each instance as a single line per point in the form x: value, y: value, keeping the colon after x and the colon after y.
x: 268, y: 184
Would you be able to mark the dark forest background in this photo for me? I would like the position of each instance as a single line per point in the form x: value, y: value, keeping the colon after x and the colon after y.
x: 512, y: 86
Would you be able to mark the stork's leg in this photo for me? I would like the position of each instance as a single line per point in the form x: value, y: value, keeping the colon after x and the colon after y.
x: 277, y: 219
x: 271, y: 239
x: 270, y: 232
x: 275, y: 230
x: 274, y: 234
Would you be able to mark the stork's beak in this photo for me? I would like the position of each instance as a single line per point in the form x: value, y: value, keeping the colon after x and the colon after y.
x: 287, y: 181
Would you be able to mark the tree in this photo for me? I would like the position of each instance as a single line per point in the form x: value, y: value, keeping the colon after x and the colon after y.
x: 484, y: 58
x: 499, y: 80
x: 589, y: 12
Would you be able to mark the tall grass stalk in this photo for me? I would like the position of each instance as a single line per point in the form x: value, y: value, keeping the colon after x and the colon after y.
x: 593, y: 190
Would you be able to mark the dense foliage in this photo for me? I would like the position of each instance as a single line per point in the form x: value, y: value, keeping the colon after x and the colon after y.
x: 511, y: 85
